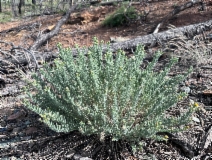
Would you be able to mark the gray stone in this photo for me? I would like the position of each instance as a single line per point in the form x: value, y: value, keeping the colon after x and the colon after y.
x: 85, y: 153
x: 77, y: 157
x: 195, y: 119
x: 70, y: 154
x: 16, y: 130
x: 31, y: 144
x: 26, y: 138
x: 18, y: 115
x: 21, y: 134
x: 13, y: 158
x: 3, y: 129
x: 3, y: 136
x: 85, y: 158
x: 31, y: 130
x: 3, y: 124
x: 4, y: 145
x: 186, y: 89
x: 191, y: 101
x: 27, y: 122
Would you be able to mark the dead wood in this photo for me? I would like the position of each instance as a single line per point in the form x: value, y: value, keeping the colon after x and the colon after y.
x: 162, y: 37
x: 29, y: 26
x: 177, y: 10
x: 44, y: 37
x: 207, y: 139
x: 2, y: 83
x: 110, y: 3
x: 146, y: 41
x: 206, y: 67
x: 186, y: 148
x: 22, y: 60
x: 15, y: 53
x: 98, y: 2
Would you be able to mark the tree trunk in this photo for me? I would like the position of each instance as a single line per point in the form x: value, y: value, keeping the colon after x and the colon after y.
x: 21, y: 2
x: 14, y: 12
x: 70, y: 3
x: 0, y: 7
x: 34, y: 2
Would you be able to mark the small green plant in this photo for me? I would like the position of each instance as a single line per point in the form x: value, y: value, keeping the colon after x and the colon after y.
x: 105, y: 95
x: 5, y: 17
x: 122, y: 16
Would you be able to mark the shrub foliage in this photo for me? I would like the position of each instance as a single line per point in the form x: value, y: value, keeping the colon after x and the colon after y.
x: 106, y: 94
x: 121, y: 16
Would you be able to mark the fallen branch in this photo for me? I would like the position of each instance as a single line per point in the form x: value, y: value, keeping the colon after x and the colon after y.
x: 186, y: 148
x: 207, y: 139
x: 177, y: 10
x: 206, y: 67
x: 29, y: 26
x: 146, y: 41
x: 16, y: 49
x: 43, y: 38
x: 162, y: 37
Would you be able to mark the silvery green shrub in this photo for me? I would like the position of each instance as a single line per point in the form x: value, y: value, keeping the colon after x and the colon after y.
x: 107, y: 95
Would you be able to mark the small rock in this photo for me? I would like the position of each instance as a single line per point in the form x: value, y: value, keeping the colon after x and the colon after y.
x: 16, y: 130
x: 17, y: 138
x: 85, y: 158
x: 70, y: 154
x: 77, y: 157
x: 26, y: 138
x: 4, y: 145
x: 84, y: 153
x: 31, y: 130
x: 17, y: 116
x: 3, y: 129
x: 10, y: 127
x: 191, y: 101
x: 13, y: 158
x: 3, y: 124
x: 21, y: 134
x: 195, y: 119
x: 27, y: 122
x: 31, y: 144
x: 3, y: 136
x: 186, y: 89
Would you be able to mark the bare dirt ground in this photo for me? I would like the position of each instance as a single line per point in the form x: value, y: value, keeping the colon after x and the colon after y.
x: 73, y: 32
x: 23, y: 136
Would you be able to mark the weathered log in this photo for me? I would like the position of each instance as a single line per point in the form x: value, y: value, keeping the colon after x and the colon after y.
x: 162, y: 37
x: 44, y: 37
x: 146, y: 41
x: 23, y: 61
x: 177, y: 10
x: 29, y: 26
